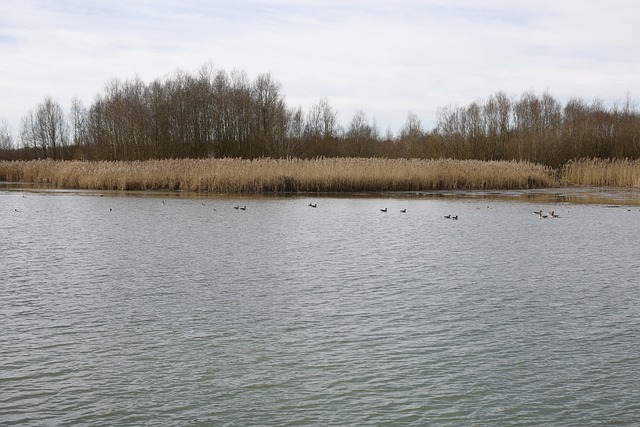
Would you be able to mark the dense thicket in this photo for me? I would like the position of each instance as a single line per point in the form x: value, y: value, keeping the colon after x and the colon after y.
x: 214, y: 113
x: 539, y: 129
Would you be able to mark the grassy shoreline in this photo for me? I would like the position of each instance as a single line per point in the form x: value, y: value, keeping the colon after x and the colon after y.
x: 323, y: 175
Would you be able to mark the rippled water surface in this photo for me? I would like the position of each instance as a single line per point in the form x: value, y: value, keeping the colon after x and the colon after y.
x: 186, y: 311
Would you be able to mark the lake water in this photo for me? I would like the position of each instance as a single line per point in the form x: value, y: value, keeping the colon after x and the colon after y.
x: 131, y: 310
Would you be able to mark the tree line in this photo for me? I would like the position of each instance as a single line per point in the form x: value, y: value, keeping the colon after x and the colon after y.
x: 215, y: 113
x: 539, y: 129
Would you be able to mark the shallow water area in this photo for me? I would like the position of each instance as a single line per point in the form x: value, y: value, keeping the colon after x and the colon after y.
x: 590, y: 195
x: 170, y: 309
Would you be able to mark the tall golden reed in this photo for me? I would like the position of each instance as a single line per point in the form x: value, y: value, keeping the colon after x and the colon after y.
x: 282, y: 175
x: 602, y: 172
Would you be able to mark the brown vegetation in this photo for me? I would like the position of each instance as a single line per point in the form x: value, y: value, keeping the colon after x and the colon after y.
x: 540, y: 129
x: 281, y: 175
x: 215, y: 114
x: 602, y: 172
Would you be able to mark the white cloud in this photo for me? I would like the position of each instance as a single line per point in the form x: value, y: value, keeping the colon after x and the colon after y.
x: 385, y: 58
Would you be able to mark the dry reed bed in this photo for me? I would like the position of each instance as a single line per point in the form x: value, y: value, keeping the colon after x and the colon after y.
x: 602, y: 172
x: 281, y: 175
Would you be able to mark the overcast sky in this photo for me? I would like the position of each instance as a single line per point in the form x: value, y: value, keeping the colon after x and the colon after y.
x: 386, y: 58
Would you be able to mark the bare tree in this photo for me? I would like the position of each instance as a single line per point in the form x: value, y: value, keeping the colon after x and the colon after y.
x: 78, y: 121
x: 497, y: 111
x: 412, y: 127
x: 321, y: 120
x: 107, y: 119
x: 321, y: 128
x: 294, y: 139
x: 45, y: 130
x: 52, y: 127
x: 270, y: 114
x: 575, y: 116
x: 239, y: 116
x: 6, y: 140
x: 628, y: 130
x: 411, y: 136
x: 476, y: 134
x: 28, y: 134
x: 528, y: 125
x: 361, y: 135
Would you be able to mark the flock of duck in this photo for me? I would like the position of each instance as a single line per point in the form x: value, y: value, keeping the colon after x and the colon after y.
x: 404, y: 210
x: 551, y: 214
x: 385, y: 210
x: 539, y: 213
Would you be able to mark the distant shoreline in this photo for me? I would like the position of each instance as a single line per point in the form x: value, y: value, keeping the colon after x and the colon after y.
x: 611, y: 196
x: 591, y: 179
